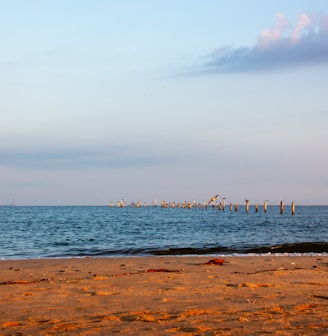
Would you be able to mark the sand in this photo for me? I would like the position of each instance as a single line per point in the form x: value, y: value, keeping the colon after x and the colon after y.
x: 260, y: 295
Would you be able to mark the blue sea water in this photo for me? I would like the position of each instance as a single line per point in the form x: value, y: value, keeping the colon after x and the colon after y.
x: 53, y: 232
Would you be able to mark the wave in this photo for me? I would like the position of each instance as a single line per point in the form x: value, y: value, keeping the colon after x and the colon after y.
x: 304, y: 247
x: 289, y: 248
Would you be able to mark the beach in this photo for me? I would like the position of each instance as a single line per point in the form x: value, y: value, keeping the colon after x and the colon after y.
x: 185, y: 295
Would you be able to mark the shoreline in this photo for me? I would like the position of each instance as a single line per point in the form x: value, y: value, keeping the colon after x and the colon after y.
x: 134, y: 295
x: 210, y: 255
x: 204, y: 255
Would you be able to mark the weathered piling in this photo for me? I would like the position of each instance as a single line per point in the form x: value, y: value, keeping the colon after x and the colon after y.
x: 256, y: 208
x: 223, y: 203
x: 281, y: 207
x: 236, y: 207
x: 265, y: 206
x: 230, y: 206
x: 247, y: 205
x: 293, y: 208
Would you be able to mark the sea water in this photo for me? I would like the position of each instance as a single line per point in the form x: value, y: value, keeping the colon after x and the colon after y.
x: 80, y: 231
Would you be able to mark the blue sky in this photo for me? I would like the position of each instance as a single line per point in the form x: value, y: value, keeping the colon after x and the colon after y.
x: 167, y: 100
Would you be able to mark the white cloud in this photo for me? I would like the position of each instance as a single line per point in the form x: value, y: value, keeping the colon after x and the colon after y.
x: 303, y: 23
x: 283, y: 45
x: 269, y: 36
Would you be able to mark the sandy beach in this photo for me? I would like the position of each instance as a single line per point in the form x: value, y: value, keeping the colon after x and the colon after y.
x: 278, y: 295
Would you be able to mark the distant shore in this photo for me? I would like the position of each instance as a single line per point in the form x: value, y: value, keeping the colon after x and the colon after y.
x: 165, y: 295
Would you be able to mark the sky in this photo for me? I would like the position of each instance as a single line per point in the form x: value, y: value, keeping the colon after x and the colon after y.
x: 163, y: 100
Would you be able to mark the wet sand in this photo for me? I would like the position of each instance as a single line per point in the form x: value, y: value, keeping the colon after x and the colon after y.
x: 267, y: 295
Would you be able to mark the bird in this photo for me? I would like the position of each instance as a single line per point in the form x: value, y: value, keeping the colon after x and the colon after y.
x: 213, y: 199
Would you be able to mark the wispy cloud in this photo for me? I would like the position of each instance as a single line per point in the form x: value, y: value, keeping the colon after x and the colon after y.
x: 283, y: 45
x: 70, y: 158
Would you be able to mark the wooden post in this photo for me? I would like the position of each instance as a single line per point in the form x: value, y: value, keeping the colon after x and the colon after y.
x: 247, y: 205
x: 236, y: 207
x: 265, y: 206
x: 293, y: 208
x: 223, y: 203
x: 230, y: 206
x: 281, y: 207
x: 256, y: 208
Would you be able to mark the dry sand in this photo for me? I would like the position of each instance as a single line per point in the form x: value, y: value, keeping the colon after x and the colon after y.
x: 268, y: 295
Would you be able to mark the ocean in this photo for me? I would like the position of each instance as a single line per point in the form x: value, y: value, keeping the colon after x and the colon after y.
x: 103, y: 231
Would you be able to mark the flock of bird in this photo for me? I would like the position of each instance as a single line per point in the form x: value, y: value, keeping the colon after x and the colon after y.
x: 193, y: 204
x: 164, y: 204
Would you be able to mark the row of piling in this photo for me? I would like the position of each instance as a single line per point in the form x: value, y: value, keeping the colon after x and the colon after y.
x: 204, y: 205
x: 265, y: 207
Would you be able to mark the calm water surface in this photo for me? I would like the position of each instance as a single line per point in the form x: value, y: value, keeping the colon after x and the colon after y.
x: 51, y: 232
